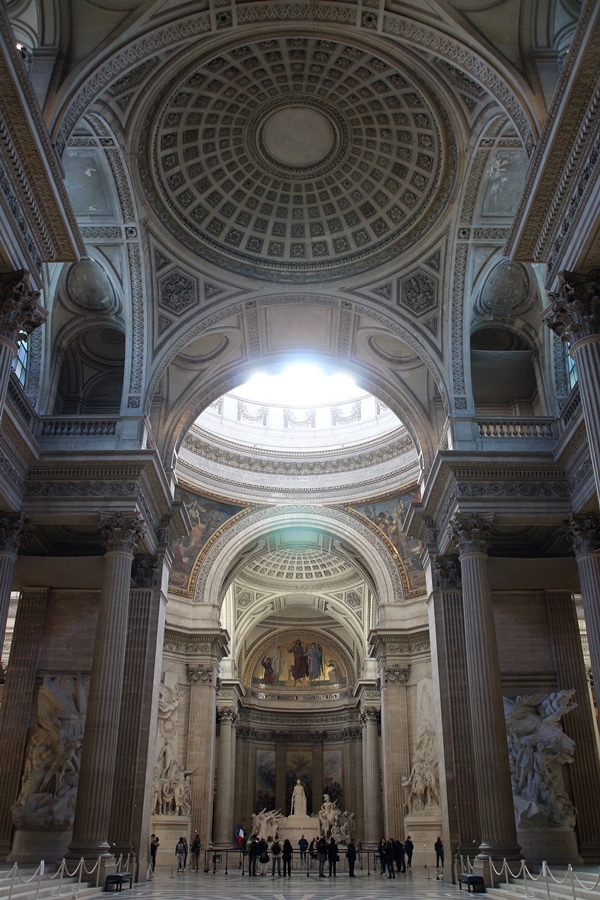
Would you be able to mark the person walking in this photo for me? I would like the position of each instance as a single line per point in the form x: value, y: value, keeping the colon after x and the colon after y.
x: 195, y: 851
x: 154, y: 845
x: 399, y: 855
x: 180, y: 854
x: 389, y: 858
x: 332, y: 856
x: 351, y: 857
x: 381, y: 848
x: 439, y: 853
x: 276, y: 857
x: 409, y: 848
x: 286, y: 855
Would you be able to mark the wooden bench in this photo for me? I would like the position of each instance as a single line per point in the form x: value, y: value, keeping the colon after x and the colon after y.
x: 473, y: 882
x: 118, y: 880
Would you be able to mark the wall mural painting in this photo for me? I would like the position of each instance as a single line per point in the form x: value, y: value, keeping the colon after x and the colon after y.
x: 265, y: 780
x: 300, y: 662
x: 298, y: 765
x: 332, y: 775
x: 388, y: 515
x: 205, y: 516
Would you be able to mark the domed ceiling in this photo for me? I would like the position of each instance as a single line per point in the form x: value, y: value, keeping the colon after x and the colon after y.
x: 296, y: 157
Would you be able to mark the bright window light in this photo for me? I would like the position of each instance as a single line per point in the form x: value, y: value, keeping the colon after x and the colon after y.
x: 300, y: 384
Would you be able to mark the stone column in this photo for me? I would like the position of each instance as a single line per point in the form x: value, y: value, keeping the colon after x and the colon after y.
x: 202, y: 733
x: 130, y: 815
x: 371, y: 780
x: 574, y: 315
x: 13, y: 530
x: 449, y: 670
x: 99, y: 753
x: 395, y: 747
x: 584, y: 773
x: 17, y: 703
x: 20, y: 314
x: 490, y: 754
x: 584, y: 532
x: 224, y: 823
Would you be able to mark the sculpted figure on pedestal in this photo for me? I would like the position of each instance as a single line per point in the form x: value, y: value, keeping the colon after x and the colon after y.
x: 298, y: 804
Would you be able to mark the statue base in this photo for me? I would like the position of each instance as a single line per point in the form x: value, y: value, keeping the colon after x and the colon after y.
x: 424, y: 828
x: 294, y: 827
x: 168, y: 830
x: 31, y: 846
x: 556, y: 846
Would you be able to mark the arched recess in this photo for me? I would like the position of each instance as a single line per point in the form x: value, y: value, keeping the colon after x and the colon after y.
x: 215, y: 356
x: 360, y: 542
x: 90, y: 380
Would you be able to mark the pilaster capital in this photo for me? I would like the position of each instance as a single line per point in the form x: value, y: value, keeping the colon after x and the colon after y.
x: 146, y: 570
x: 584, y: 533
x: 13, y: 531
x: 396, y: 674
x: 122, y: 533
x: 200, y: 673
x: 20, y: 310
x: 471, y: 533
x: 446, y: 574
x: 574, y: 311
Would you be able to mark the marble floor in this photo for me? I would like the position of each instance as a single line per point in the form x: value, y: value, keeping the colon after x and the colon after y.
x: 421, y: 884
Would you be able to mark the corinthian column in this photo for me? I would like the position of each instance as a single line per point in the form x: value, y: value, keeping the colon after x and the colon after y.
x: 20, y: 314
x: 395, y: 749
x: 574, y: 315
x: 13, y: 529
x: 371, y: 788
x: 490, y: 755
x: 224, y: 825
x: 98, y: 757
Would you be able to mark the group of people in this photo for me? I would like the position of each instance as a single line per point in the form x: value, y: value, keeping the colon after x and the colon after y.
x: 260, y: 853
x: 395, y: 856
x: 181, y: 853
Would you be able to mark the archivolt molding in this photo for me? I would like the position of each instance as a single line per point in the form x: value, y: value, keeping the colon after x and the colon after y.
x: 369, y: 545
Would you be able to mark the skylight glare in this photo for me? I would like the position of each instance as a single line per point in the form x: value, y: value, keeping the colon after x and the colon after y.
x: 300, y: 384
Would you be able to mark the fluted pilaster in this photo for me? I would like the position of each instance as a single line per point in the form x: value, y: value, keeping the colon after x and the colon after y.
x: 574, y: 315
x: 136, y: 749
x: 224, y: 824
x: 449, y: 663
x: 13, y: 530
x: 395, y: 729
x: 20, y: 314
x: 584, y: 773
x: 490, y: 755
x: 584, y: 532
x: 17, y: 702
x: 98, y: 758
x: 200, y: 754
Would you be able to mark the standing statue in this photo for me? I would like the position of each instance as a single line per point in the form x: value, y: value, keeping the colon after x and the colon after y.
x: 328, y: 816
x: 422, y: 785
x: 538, y: 748
x: 298, y: 804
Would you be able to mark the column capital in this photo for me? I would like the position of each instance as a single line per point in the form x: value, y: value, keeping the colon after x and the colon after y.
x: 574, y: 311
x: 369, y: 715
x: 471, y: 533
x: 446, y: 573
x: 146, y: 570
x: 396, y: 674
x: 13, y: 531
x: 20, y: 310
x: 121, y: 532
x: 200, y: 673
x: 584, y: 533
x: 226, y: 714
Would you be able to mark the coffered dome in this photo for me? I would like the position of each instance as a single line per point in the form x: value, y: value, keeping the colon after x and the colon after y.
x: 296, y: 157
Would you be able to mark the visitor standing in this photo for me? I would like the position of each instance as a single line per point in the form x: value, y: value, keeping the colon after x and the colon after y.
x: 321, y: 855
x: 180, y: 854
x: 303, y: 847
x: 195, y: 851
x: 409, y: 848
x: 332, y: 856
x: 286, y: 855
x: 154, y: 844
x: 276, y: 857
x: 263, y: 856
x: 351, y: 857
x: 439, y: 853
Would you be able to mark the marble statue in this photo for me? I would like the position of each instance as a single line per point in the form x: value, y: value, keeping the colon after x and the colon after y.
x: 328, y: 816
x: 538, y: 748
x: 265, y: 824
x: 50, y: 778
x: 422, y: 785
x: 171, y: 788
x: 298, y: 804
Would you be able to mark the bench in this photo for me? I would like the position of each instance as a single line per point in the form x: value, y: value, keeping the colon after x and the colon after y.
x: 118, y: 880
x: 473, y: 882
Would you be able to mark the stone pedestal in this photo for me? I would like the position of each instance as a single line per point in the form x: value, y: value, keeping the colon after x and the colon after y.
x: 31, y: 846
x: 294, y: 827
x: 424, y: 829
x: 168, y: 830
x: 543, y: 844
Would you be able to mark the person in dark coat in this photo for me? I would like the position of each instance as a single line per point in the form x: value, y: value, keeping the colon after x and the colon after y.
x: 409, y: 848
x: 286, y: 855
x: 439, y: 853
x: 398, y: 847
x: 321, y: 855
x: 332, y: 856
x: 351, y: 857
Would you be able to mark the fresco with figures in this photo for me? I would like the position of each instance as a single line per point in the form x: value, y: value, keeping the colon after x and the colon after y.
x: 299, y: 664
x: 388, y: 515
x: 206, y: 516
